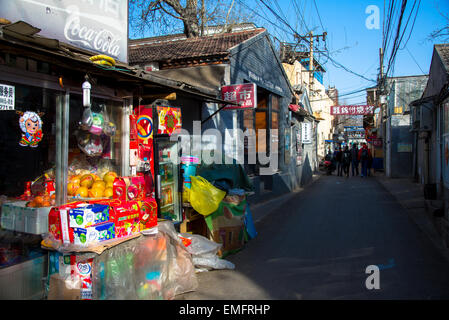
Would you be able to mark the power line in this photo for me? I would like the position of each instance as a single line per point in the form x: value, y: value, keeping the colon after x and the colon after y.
x: 414, y: 60
x: 319, y: 17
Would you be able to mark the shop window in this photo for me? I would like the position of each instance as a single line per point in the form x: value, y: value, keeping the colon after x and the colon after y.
x: 18, y: 163
x: 275, y: 123
x: 248, y: 119
x: 89, y: 152
x: 261, y: 128
x: 263, y: 119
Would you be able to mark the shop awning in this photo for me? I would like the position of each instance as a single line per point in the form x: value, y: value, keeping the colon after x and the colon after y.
x: 22, y: 36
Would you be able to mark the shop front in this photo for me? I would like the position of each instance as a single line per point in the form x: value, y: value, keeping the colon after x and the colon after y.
x: 85, y: 159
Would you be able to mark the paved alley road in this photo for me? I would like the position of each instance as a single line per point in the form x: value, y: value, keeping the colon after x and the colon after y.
x: 318, y: 244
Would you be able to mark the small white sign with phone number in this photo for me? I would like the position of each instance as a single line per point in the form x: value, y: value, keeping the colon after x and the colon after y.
x: 7, y: 95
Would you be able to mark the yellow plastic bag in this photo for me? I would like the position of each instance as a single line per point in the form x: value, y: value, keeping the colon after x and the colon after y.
x: 204, y: 197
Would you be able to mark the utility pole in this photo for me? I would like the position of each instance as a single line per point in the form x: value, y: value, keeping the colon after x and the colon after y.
x: 310, y: 37
x: 311, y: 69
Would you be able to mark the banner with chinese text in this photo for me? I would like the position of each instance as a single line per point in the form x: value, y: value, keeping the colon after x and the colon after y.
x: 353, y: 110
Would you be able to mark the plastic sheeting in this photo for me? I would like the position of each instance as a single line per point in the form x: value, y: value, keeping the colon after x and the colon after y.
x: 153, y: 267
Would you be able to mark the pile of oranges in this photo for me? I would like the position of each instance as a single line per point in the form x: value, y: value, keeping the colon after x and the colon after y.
x: 42, y: 201
x: 91, y: 186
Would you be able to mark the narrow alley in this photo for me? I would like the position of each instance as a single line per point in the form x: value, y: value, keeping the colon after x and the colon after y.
x: 325, y: 238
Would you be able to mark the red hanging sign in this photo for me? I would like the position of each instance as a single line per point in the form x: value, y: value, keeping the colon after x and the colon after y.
x: 354, y: 110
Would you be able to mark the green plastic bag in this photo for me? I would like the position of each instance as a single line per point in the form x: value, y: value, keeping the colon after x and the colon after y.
x: 204, y: 197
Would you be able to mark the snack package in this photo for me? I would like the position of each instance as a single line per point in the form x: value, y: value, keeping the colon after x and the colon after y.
x: 97, y: 124
x: 94, y: 234
x: 88, y: 215
x: 129, y: 188
x: 127, y: 219
x: 83, y: 271
x: 148, y: 213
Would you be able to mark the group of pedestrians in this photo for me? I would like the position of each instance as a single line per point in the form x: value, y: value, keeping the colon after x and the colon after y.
x: 354, y: 157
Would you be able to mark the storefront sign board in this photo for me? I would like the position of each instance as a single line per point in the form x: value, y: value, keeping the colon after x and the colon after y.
x: 99, y: 26
x: 244, y: 94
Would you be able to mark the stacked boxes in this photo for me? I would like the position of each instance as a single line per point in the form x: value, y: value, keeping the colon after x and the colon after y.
x: 87, y: 224
x: 16, y: 216
x: 91, y: 224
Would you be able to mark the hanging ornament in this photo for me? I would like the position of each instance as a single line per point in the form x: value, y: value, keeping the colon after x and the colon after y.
x: 31, y: 125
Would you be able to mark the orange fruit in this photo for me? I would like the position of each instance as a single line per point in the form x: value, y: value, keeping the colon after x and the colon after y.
x: 99, y: 184
x: 71, y: 188
x: 109, y: 185
x: 82, y: 192
x: 109, y: 176
x: 108, y: 192
x: 75, y: 179
x: 95, y: 193
x: 87, y: 180
x: 38, y: 200
x: 46, y: 204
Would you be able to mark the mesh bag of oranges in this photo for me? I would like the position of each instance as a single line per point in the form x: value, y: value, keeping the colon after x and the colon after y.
x: 91, y: 185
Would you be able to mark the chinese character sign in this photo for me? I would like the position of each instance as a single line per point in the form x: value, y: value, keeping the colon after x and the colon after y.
x: 306, y: 133
x: 243, y: 94
x: 352, y: 110
x: 7, y: 96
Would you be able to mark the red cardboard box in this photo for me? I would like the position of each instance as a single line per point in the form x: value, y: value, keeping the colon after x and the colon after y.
x: 148, y: 213
x: 129, y: 188
x: 127, y: 219
x: 58, y: 221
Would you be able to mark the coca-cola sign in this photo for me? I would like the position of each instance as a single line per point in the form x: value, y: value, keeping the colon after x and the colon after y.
x: 100, y: 26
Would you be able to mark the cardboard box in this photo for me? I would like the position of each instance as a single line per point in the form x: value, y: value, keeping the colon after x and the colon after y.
x: 129, y: 188
x: 94, y: 234
x: 63, y: 289
x: 148, y: 213
x: 88, y: 215
x: 127, y: 219
x: 16, y: 216
x: 55, y: 223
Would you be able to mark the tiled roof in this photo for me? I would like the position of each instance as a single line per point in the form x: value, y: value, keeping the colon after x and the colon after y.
x: 178, y: 47
x: 443, y: 52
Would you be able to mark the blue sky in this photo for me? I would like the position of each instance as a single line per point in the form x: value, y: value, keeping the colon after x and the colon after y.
x: 349, y: 41
x: 344, y: 22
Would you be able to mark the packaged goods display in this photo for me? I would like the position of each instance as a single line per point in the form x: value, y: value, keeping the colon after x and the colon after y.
x: 88, y: 215
x: 94, y: 234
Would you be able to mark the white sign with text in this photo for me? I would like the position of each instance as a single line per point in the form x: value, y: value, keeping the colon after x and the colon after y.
x: 100, y: 26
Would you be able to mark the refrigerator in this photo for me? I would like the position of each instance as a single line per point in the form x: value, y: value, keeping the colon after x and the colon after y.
x: 156, y: 123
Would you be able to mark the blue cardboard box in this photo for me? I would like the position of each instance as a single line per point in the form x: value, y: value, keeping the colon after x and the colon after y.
x: 89, y: 215
x: 94, y: 234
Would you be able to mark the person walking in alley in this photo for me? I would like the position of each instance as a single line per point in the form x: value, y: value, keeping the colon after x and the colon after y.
x: 338, y: 160
x: 355, y: 160
x: 364, y: 155
x: 346, y: 159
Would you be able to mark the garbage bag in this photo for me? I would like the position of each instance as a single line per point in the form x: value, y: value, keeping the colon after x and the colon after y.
x: 204, y: 253
x: 204, y: 197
